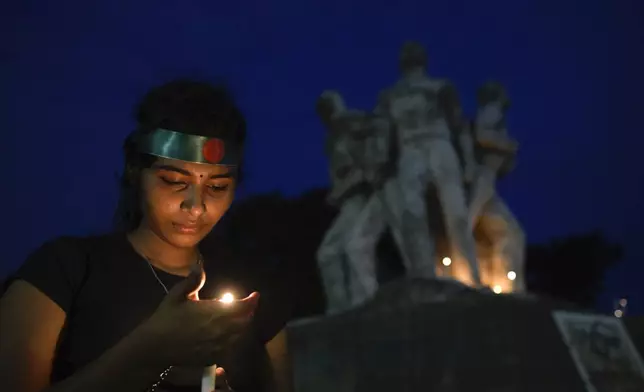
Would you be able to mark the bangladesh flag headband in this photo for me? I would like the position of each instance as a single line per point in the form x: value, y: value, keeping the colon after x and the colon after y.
x: 190, y: 148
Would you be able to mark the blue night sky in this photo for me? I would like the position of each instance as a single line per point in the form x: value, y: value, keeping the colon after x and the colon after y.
x: 72, y: 70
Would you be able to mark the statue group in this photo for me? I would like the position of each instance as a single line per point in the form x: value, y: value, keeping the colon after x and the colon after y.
x: 385, y: 166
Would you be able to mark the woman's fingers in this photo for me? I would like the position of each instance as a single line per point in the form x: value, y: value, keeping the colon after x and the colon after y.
x: 222, y: 382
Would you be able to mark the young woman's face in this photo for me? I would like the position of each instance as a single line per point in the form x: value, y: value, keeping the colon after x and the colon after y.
x: 183, y: 201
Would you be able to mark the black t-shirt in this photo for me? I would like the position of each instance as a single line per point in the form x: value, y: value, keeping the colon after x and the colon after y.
x: 107, y: 290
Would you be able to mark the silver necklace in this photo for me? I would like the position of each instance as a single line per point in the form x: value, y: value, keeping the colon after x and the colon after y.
x: 165, y: 373
x: 156, y: 276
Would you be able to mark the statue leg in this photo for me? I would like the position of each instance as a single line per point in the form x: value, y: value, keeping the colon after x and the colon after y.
x: 412, y: 232
x: 330, y: 254
x: 360, y: 248
x: 483, y: 190
x: 391, y: 197
x: 508, y: 239
x: 446, y: 173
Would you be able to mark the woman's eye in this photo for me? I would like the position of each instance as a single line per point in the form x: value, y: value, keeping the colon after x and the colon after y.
x: 172, y: 183
x: 219, y: 188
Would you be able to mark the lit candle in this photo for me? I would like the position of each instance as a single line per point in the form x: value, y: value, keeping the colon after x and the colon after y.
x: 210, y: 372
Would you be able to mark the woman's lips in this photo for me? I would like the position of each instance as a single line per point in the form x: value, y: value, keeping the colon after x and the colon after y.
x: 187, y: 229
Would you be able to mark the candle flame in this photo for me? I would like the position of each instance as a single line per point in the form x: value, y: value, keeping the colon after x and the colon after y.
x: 227, y: 298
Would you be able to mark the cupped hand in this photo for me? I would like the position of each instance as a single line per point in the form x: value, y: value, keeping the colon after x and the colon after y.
x: 185, y: 330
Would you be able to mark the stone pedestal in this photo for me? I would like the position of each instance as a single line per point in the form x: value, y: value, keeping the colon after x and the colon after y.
x: 438, y: 336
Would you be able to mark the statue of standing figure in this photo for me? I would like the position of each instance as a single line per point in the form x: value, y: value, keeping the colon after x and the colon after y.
x: 426, y: 113
x: 383, y: 210
x: 359, y: 148
x: 496, y: 152
x: 348, y: 191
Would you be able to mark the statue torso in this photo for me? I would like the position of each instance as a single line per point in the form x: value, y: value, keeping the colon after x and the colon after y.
x: 491, y: 129
x: 491, y: 118
x: 413, y: 104
x: 346, y: 152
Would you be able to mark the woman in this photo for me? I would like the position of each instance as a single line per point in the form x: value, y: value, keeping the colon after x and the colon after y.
x: 129, y: 311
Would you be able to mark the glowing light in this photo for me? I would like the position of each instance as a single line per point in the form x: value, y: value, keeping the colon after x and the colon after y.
x: 447, y: 261
x: 497, y: 289
x: 227, y: 298
x: 618, y: 313
x: 512, y: 275
x: 623, y: 302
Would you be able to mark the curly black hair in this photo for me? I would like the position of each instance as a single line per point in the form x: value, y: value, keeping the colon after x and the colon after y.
x: 188, y: 106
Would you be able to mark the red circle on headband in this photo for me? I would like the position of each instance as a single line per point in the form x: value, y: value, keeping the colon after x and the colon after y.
x: 213, y: 150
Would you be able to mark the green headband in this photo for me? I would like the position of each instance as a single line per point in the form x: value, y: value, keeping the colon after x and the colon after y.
x: 190, y: 148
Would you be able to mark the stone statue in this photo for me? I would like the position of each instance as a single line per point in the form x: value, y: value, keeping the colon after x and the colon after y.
x: 349, y: 191
x: 430, y: 176
x: 496, y: 155
x: 383, y: 210
x: 426, y: 112
x: 496, y: 149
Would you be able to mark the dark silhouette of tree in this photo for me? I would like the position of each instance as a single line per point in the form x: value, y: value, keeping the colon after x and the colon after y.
x: 279, y: 237
x: 571, y: 268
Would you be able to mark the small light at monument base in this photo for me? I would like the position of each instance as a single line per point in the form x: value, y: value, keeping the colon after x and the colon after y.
x: 227, y: 298
x: 497, y: 289
x: 512, y: 275
x: 618, y: 313
x: 447, y: 261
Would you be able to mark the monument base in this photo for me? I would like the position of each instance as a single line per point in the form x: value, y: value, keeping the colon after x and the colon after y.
x: 434, y: 335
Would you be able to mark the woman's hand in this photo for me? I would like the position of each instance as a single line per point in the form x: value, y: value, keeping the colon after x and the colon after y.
x: 186, y: 331
x: 221, y: 383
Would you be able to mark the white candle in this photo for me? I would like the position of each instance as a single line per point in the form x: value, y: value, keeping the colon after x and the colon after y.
x: 209, y: 373
x: 208, y: 378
